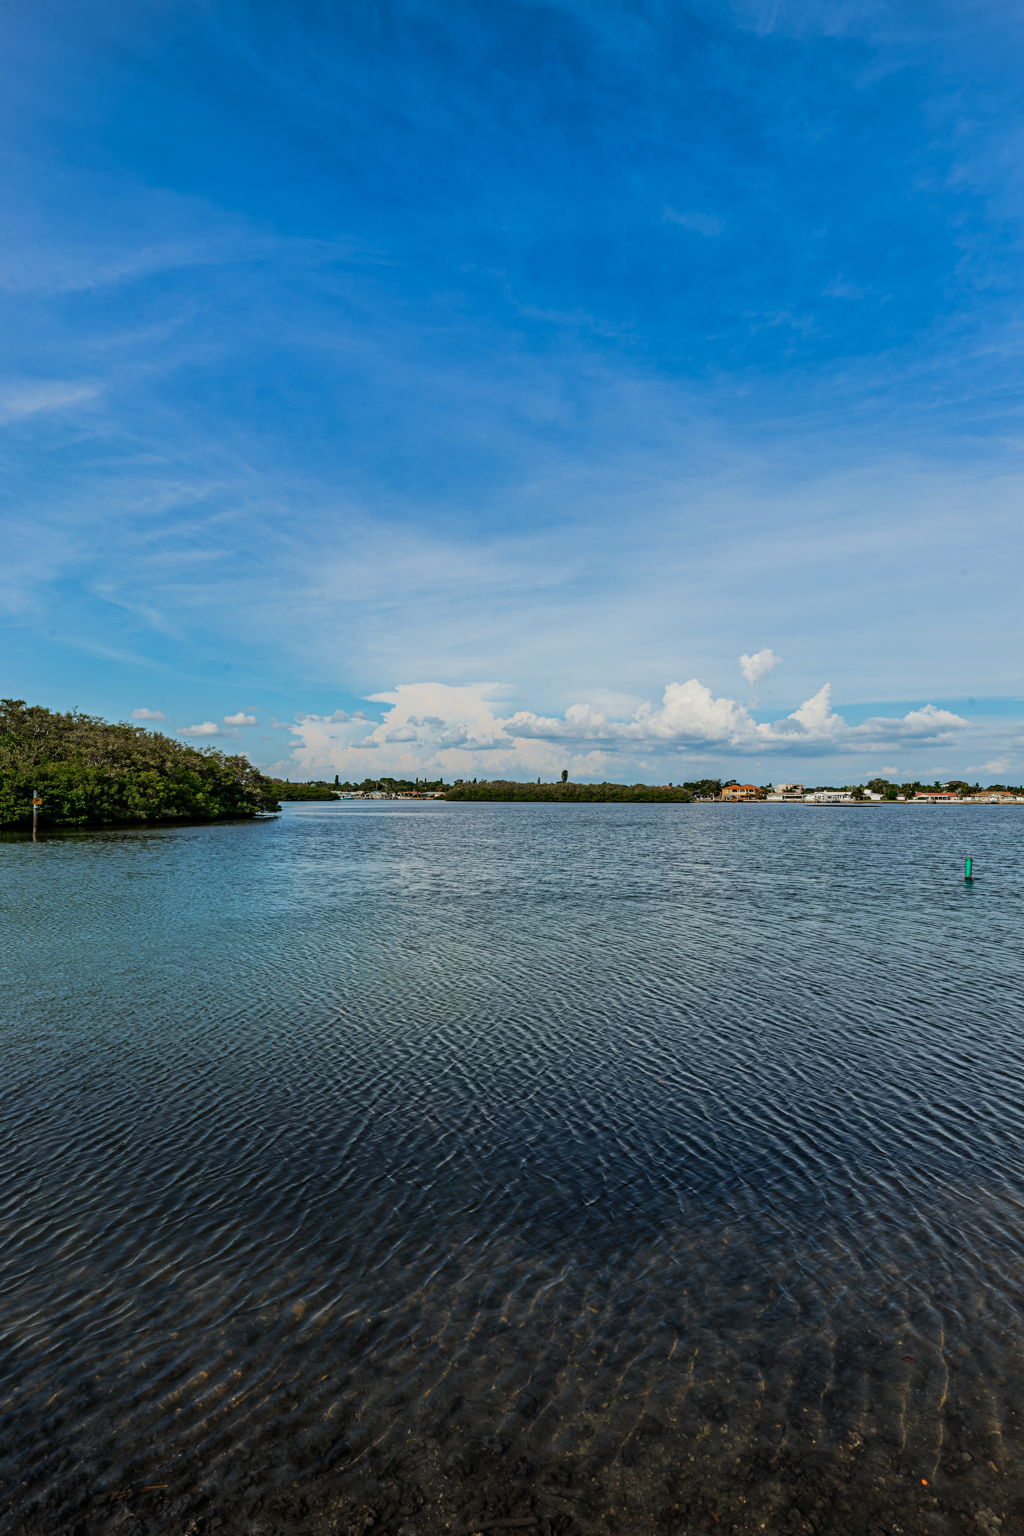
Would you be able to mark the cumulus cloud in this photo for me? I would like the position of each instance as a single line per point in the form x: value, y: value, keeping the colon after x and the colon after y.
x: 206, y: 728
x: 337, y: 718
x: 148, y: 714
x: 240, y: 719
x: 428, y: 727
x: 689, y: 715
x: 437, y: 727
x: 759, y: 665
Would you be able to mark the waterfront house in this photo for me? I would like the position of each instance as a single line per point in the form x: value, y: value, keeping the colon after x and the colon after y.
x: 785, y: 792
x: 936, y: 796
x: 741, y: 792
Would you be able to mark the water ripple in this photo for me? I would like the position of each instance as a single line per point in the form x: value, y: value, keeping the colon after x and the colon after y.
x: 623, y: 1168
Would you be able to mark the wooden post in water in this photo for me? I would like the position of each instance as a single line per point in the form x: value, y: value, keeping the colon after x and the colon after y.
x: 36, y: 803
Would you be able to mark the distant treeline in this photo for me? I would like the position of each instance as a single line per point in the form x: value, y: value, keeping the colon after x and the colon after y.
x: 315, y: 789
x: 508, y: 789
x: 321, y: 789
x: 915, y: 787
x: 88, y: 772
x: 389, y: 786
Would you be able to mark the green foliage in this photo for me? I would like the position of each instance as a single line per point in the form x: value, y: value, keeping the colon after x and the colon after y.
x: 508, y: 789
x: 705, y: 789
x: 284, y: 789
x: 389, y: 786
x: 91, y: 773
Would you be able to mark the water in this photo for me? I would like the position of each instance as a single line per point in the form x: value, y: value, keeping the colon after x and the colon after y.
x: 412, y: 1167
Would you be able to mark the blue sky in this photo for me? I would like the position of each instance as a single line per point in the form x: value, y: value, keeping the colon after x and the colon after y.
x: 466, y: 387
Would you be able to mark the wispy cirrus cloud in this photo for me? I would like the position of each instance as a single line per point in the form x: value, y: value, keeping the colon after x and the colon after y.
x: 30, y: 397
x: 442, y: 445
x: 706, y: 224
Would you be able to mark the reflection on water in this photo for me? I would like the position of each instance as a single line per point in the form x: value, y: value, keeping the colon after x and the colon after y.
x: 607, y: 1168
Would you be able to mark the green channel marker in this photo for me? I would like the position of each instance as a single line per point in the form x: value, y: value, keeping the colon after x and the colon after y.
x: 968, y: 869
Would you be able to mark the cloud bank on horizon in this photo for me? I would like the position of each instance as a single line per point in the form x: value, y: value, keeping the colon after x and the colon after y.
x: 436, y: 729
x: 575, y: 346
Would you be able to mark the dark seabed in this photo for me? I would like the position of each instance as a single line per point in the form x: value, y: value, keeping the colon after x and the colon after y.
x: 571, y: 1169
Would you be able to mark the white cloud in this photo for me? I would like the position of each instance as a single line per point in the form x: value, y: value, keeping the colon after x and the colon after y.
x: 706, y: 224
x: 782, y: 549
x: 759, y: 665
x: 240, y: 719
x: 30, y: 397
x: 440, y: 728
x: 207, y: 728
x: 148, y: 714
x: 838, y: 288
x: 690, y: 716
x: 429, y: 727
x: 337, y: 718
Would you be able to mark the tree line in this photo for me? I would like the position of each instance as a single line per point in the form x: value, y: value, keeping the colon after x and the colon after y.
x: 916, y: 786
x: 305, y: 789
x: 390, y: 786
x: 323, y: 789
x: 890, y: 791
x: 510, y: 789
x: 89, y: 772
x: 692, y: 789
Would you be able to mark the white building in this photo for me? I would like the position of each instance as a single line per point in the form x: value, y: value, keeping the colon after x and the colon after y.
x: 785, y: 792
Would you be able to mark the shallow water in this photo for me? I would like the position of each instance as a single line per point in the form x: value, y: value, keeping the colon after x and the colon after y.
x: 411, y: 1167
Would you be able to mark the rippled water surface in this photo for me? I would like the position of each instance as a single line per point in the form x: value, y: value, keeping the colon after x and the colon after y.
x: 414, y: 1168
